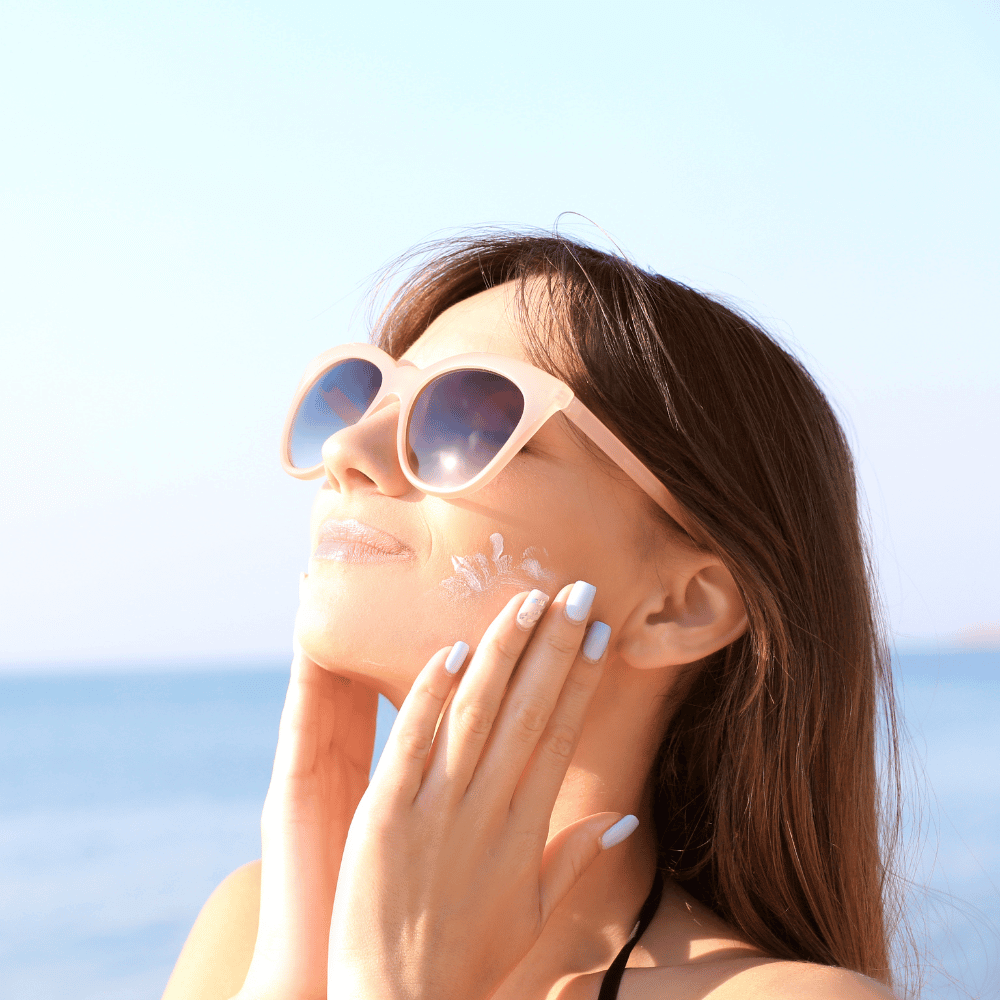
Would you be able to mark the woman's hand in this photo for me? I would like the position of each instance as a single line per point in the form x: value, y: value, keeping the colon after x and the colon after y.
x: 447, y: 879
x: 325, y: 743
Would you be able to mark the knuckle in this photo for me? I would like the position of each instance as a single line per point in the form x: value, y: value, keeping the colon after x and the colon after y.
x: 475, y: 719
x: 561, y: 743
x: 506, y: 648
x: 415, y: 746
x: 580, y: 684
x: 563, y: 644
x: 428, y: 691
x: 531, y: 716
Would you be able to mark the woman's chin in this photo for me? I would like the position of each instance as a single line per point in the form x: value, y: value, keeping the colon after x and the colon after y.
x: 330, y: 636
x: 379, y: 676
x: 385, y: 631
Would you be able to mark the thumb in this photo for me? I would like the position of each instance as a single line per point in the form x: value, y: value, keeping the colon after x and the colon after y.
x: 573, y: 850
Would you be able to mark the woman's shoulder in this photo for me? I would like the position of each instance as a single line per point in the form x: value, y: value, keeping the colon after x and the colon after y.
x: 690, y: 952
x: 751, y: 979
x: 216, y: 955
x: 782, y: 980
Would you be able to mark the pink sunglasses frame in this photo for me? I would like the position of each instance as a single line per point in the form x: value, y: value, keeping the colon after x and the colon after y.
x: 544, y: 396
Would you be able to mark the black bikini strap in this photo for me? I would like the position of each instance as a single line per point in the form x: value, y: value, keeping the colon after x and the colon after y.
x: 613, y: 977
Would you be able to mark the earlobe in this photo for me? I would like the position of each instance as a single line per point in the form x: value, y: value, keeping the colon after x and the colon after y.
x: 684, y: 619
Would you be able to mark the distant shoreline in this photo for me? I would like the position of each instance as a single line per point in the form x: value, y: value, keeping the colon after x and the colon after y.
x: 913, y: 659
x: 62, y: 668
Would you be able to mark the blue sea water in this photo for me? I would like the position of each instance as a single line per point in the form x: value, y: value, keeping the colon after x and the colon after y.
x: 126, y: 797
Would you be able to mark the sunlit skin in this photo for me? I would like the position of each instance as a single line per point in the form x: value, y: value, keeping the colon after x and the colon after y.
x: 662, y: 599
x: 371, y: 627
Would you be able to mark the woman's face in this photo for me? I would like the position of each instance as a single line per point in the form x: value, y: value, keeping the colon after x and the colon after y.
x: 552, y: 516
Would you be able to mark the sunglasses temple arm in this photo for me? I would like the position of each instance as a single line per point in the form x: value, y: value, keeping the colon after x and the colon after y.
x: 625, y: 459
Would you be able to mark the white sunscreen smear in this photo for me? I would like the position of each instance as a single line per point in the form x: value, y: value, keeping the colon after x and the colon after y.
x: 480, y: 573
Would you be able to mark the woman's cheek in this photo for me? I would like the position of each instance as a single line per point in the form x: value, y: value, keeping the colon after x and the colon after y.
x: 492, y: 570
x: 472, y: 586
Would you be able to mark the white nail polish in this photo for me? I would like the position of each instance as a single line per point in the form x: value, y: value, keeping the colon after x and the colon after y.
x: 625, y: 827
x: 532, y: 608
x: 456, y: 657
x: 595, y: 642
x: 581, y: 597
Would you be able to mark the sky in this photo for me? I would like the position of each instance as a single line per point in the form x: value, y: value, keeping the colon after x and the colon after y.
x: 195, y: 197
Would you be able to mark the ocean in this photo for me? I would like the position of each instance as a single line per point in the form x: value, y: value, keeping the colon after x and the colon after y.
x: 126, y: 797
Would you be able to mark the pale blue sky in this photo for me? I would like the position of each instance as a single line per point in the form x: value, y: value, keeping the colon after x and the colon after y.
x: 194, y: 196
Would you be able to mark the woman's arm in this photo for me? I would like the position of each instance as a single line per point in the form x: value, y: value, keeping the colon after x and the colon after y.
x: 216, y: 956
x: 263, y: 934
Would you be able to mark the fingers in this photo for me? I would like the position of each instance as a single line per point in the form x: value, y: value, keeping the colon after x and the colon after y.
x: 352, y: 723
x: 544, y: 711
x: 322, y: 709
x: 489, y: 734
x: 572, y: 851
x: 469, y: 720
x: 299, y: 737
x: 413, y: 733
x: 537, y: 788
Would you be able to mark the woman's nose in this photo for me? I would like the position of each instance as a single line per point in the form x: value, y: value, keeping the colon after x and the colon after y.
x: 363, y: 456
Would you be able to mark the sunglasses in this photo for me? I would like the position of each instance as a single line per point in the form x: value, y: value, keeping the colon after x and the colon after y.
x: 461, y: 420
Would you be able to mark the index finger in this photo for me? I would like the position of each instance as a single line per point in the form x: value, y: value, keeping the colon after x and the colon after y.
x: 413, y: 733
x: 532, y: 699
x: 535, y: 795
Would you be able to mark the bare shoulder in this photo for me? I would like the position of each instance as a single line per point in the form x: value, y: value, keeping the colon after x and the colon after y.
x: 772, y: 979
x: 216, y: 956
x: 690, y: 953
x: 741, y: 979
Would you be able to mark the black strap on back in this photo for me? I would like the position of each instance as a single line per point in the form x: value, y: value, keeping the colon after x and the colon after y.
x: 613, y: 977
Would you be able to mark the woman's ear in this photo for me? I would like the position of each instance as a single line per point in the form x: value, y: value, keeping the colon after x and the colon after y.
x: 689, y: 615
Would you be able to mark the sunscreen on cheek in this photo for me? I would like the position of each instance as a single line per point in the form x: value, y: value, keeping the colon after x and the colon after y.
x: 479, y: 573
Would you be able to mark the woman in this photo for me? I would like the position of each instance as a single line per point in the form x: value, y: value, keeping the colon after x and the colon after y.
x: 658, y: 746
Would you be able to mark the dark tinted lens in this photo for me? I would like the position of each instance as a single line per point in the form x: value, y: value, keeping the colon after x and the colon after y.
x: 459, y: 422
x: 335, y: 401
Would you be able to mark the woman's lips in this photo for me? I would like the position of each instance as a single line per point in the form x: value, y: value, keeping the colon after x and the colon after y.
x: 352, y: 541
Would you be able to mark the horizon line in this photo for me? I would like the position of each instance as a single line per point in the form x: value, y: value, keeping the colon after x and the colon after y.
x: 204, y: 663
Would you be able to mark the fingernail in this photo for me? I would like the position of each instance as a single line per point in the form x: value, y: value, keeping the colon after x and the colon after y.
x: 531, y: 610
x: 579, y: 601
x: 625, y: 827
x: 595, y: 641
x: 456, y: 657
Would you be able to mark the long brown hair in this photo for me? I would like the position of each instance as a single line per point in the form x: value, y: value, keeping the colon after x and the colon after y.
x: 765, y: 789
